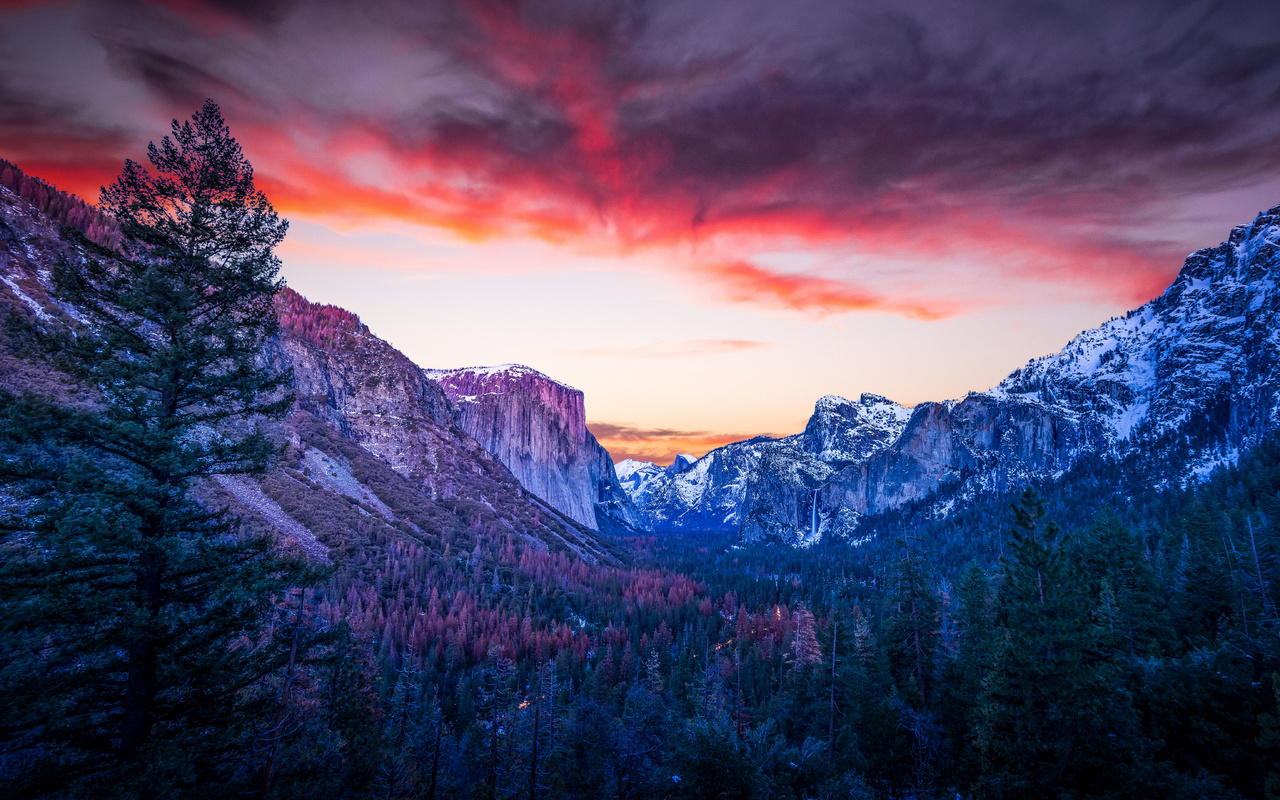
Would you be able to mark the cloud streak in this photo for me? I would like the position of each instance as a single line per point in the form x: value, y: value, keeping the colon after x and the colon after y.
x: 676, y: 349
x: 745, y: 282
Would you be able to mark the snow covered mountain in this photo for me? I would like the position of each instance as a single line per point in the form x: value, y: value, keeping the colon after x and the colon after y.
x: 637, y: 477
x: 1205, y: 348
x: 537, y: 427
x: 1202, y: 358
x: 731, y: 485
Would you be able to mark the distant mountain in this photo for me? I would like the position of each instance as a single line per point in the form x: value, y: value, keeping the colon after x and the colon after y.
x: 637, y: 477
x: 537, y: 427
x: 1202, y: 358
x: 728, y: 489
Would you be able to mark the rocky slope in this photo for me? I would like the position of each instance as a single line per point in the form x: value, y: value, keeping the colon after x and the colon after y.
x: 638, y: 477
x: 371, y: 444
x: 735, y: 487
x: 1202, y: 358
x: 537, y: 427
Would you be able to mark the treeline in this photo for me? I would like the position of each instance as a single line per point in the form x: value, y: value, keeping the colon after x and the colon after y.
x: 62, y: 207
x: 321, y: 325
x: 1131, y: 656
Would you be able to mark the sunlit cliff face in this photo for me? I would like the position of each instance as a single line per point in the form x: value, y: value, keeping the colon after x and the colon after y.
x: 705, y: 215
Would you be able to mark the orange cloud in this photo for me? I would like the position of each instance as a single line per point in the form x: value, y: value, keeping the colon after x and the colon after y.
x: 659, y: 445
x: 700, y: 164
x: 745, y: 282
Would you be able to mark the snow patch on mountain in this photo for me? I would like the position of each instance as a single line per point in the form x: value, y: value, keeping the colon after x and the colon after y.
x: 637, y: 477
x: 504, y: 374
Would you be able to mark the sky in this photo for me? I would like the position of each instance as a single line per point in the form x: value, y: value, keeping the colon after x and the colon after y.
x: 705, y: 214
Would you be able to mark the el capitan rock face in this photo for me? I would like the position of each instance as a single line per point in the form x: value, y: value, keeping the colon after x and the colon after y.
x: 1204, y: 356
x: 537, y: 427
x: 377, y: 397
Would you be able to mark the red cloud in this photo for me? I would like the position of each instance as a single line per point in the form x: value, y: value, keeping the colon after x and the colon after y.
x: 572, y: 144
x: 745, y: 282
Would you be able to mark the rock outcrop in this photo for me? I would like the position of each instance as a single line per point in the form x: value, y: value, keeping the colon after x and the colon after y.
x: 537, y: 427
x: 376, y: 396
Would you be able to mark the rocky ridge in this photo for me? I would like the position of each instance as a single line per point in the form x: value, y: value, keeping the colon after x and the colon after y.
x: 1202, y: 356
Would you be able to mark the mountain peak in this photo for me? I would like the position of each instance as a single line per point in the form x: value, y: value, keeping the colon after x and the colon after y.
x: 500, y: 375
x: 681, y: 463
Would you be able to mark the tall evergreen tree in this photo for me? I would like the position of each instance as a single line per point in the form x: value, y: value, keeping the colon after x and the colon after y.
x: 913, y: 629
x: 964, y: 675
x: 1123, y: 586
x: 1052, y: 721
x: 131, y: 611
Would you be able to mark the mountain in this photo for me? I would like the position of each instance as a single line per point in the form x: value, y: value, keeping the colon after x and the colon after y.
x: 537, y: 427
x: 1198, y: 363
x: 729, y: 488
x: 637, y: 477
x: 371, y: 444
x: 705, y: 494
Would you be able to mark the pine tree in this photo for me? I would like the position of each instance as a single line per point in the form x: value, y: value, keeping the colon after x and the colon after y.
x: 913, y: 631
x: 1203, y: 588
x: 1123, y: 587
x: 964, y: 675
x: 131, y: 610
x: 1052, y: 719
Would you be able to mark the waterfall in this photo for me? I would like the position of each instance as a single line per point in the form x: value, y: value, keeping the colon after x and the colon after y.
x: 813, y: 524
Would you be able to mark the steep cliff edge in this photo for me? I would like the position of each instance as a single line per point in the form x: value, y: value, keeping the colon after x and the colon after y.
x: 377, y: 397
x: 537, y: 427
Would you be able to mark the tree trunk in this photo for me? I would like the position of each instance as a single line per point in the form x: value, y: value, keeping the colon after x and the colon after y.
x: 435, y: 759
x: 140, y: 680
x: 831, y: 722
x: 533, y: 759
x: 286, y: 686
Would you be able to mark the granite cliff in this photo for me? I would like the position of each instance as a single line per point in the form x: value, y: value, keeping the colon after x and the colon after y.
x: 537, y: 427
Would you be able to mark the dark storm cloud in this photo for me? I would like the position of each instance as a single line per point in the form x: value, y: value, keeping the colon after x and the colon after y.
x: 179, y: 82
x: 1036, y: 127
x: 259, y: 11
x: 1033, y: 100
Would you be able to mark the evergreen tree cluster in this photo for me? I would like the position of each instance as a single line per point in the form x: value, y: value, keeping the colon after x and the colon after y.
x: 319, y: 325
x: 61, y: 207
